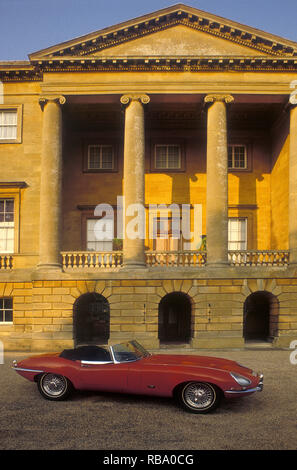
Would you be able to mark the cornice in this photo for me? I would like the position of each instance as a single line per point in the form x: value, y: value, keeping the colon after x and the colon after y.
x: 19, y: 71
x: 168, y: 64
x: 149, y: 65
x: 13, y: 184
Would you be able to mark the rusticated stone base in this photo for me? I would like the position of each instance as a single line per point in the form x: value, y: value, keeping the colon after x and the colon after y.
x: 43, y: 310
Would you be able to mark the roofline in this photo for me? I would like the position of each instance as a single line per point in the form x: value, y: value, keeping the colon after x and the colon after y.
x: 14, y: 64
x: 171, y: 9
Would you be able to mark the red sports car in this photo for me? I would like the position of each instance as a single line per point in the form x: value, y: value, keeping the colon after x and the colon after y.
x: 198, y: 382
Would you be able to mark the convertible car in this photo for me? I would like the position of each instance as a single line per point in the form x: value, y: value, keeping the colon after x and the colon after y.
x: 197, y: 382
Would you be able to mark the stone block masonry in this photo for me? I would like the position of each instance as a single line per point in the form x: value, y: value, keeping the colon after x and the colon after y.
x: 43, y: 310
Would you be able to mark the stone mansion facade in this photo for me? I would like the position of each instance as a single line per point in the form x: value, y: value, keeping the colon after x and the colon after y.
x: 180, y: 112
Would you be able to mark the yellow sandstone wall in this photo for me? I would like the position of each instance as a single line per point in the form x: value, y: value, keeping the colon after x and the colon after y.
x: 280, y: 188
x: 43, y: 310
x: 21, y: 162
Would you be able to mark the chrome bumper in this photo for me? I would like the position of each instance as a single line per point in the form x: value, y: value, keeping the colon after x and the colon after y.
x: 15, y: 367
x: 259, y: 388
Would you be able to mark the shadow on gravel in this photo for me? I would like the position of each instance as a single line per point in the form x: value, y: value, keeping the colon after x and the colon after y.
x: 236, y: 405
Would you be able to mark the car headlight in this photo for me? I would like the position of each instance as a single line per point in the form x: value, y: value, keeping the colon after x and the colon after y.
x: 243, y: 381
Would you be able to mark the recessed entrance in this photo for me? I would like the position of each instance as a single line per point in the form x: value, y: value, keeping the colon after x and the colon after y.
x: 91, y: 319
x: 175, y: 318
x: 260, y: 321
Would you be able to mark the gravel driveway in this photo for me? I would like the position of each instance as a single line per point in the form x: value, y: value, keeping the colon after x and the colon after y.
x: 89, y: 420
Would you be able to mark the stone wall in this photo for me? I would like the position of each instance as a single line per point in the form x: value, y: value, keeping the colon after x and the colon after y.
x: 43, y: 310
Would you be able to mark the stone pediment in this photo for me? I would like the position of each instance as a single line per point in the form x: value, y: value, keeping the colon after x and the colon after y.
x: 177, y: 31
x: 178, y: 41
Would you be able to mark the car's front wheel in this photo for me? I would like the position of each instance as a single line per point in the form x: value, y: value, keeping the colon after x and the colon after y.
x: 199, y: 397
x: 54, y: 386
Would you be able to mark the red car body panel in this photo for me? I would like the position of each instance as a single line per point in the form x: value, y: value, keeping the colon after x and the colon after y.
x: 155, y: 375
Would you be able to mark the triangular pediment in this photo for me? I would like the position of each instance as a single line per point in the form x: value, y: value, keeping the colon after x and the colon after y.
x: 177, y: 31
x: 178, y: 41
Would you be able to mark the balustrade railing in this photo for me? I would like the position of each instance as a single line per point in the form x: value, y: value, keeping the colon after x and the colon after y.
x: 196, y: 259
x: 190, y: 258
x: 175, y: 258
x: 6, y: 262
x: 259, y: 257
x: 91, y: 259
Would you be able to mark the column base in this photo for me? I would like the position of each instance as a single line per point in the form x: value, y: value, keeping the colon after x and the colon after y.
x: 133, y: 263
x: 218, y: 264
x: 132, y: 266
x: 49, y: 267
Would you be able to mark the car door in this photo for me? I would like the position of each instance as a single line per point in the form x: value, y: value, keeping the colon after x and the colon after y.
x: 102, y: 376
x: 145, y: 380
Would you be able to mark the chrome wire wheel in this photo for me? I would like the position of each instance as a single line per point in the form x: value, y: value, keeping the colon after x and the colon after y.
x: 199, y: 397
x: 54, y: 386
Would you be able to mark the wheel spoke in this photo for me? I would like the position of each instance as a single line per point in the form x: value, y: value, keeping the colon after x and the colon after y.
x: 53, y: 385
x: 199, y: 395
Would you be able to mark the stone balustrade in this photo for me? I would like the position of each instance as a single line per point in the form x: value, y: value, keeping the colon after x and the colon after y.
x: 189, y: 258
x: 194, y: 259
x: 6, y: 262
x: 92, y: 259
x: 175, y: 258
x: 258, y: 258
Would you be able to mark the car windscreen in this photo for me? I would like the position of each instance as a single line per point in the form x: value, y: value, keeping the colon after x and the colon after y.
x: 129, y: 351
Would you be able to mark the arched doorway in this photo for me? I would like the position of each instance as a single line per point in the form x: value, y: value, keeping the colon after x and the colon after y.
x: 91, y: 319
x: 260, y: 318
x: 175, y: 318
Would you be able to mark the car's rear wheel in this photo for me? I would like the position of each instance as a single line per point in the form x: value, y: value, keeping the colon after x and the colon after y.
x: 54, y: 386
x: 199, y: 397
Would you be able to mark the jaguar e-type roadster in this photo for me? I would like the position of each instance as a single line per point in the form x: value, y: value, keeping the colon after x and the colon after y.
x: 197, y: 382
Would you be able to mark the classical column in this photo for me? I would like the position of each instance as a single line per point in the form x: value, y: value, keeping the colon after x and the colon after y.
x: 217, y: 180
x: 51, y: 183
x: 134, y: 155
x: 293, y: 186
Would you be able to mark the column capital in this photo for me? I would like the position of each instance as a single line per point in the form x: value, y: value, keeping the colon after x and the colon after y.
x: 291, y: 105
x: 43, y: 100
x: 142, y: 98
x: 212, y: 98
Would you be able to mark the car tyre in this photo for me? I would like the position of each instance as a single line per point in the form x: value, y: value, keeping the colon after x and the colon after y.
x: 54, y: 387
x: 199, y: 397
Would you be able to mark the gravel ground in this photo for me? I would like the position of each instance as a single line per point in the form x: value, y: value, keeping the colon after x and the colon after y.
x: 90, y: 420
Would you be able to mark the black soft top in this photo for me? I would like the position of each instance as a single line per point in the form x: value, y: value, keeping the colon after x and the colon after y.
x: 86, y: 353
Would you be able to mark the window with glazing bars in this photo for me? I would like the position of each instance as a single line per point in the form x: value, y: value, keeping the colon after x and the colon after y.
x: 237, y: 157
x: 237, y: 233
x: 8, y: 124
x: 6, y: 311
x: 167, y: 157
x: 6, y: 225
x: 100, y: 157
